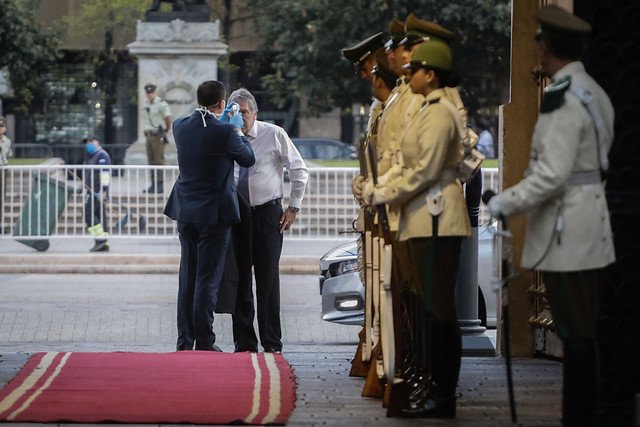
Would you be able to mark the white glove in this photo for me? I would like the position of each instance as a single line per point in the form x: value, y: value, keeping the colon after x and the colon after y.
x: 367, y: 192
x: 495, y: 207
x: 356, y: 187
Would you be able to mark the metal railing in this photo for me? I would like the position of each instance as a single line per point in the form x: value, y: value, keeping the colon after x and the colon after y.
x: 49, y: 200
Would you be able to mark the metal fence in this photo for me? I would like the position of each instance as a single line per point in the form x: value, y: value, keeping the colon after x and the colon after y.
x: 50, y: 200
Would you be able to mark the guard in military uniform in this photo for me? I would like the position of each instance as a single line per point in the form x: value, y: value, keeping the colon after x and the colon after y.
x: 568, y: 235
x: 156, y: 123
x: 433, y: 221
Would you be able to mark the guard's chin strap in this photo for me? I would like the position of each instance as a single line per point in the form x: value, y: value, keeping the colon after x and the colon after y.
x: 203, y: 113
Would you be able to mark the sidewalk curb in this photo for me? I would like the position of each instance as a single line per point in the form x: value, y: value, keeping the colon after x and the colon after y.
x: 123, y: 264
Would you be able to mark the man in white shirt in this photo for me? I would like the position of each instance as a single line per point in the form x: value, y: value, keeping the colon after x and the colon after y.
x: 263, y: 186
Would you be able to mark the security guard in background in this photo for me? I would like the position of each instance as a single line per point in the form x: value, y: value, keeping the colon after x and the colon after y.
x: 156, y: 123
x: 568, y: 235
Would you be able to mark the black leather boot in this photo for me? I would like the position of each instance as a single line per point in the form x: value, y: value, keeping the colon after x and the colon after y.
x: 580, y: 382
x: 434, y: 403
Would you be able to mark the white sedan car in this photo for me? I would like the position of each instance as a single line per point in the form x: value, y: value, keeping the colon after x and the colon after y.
x: 343, y: 293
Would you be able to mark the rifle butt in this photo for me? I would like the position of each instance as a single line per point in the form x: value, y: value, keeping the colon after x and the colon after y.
x: 373, y: 385
x: 398, y: 395
x: 358, y: 367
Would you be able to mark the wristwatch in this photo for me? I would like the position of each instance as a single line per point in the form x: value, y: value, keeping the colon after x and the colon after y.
x: 296, y: 210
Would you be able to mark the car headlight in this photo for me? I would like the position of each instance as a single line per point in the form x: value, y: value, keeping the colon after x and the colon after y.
x: 348, y: 266
x: 348, y: 302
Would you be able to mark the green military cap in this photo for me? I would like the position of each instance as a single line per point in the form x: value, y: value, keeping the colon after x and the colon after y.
x: 382, y: 68
x: 418, y: 30
x: 396, y: 28
x: 150, y: 87
x: 363, y: 49
x: 556, y: 21
x: 432, y: 53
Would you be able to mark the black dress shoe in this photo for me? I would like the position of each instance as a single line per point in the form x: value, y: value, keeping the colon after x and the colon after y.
x: 432, y: 407
x: 272, y: 350
x: 243, y: 349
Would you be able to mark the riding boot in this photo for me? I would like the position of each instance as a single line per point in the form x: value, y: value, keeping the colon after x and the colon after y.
x: 579, y: 391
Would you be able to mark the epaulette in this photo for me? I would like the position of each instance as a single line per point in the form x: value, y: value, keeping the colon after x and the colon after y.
x: 430, y: 101
x: 553, y: 95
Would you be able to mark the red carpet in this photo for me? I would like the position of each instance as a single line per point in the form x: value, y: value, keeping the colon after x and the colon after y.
x: 194, y: 387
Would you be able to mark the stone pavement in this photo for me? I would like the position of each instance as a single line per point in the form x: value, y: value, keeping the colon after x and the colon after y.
x: 136, y: 312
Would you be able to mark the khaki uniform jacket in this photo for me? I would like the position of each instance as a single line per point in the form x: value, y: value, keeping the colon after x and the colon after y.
x: 431, y: 148
x: 564, y: 143
x: 398, y: 111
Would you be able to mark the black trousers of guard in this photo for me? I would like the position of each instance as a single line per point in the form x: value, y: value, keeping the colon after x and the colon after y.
x: 264, y: 251
x: 438, y: 344
x: 574, y: 300
x: 203, y: 249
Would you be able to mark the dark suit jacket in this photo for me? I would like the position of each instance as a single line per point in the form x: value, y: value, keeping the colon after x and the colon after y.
x: 205, y: 192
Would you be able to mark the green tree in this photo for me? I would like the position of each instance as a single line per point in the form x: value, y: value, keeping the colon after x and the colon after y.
x: 302, y: 41
x: 26, y: 50
x: 110, y: 22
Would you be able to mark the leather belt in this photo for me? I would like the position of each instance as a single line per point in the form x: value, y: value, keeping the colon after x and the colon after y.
x: 151, y: 132
x: 585, y: 178
x: 273, y: 202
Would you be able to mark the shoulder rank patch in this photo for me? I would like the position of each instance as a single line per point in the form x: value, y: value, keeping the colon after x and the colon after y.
x: 553, y: 96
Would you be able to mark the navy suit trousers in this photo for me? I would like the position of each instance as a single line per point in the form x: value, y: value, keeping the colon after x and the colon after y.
x: 203, y: 252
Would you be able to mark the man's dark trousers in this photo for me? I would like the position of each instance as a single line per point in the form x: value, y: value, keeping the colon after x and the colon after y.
x: 197, y: 302
x: 266, y: 248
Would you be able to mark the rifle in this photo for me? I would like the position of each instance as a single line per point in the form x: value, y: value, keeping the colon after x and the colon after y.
x: 360, y: 362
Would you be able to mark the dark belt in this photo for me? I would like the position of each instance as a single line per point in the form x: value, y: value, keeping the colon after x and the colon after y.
x: 151, y: 132
x: 273, y: 202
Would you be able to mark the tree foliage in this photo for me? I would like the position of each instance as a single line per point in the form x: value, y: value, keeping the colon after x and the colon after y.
x: 302, y: 41
x: 26, y: 50
x: 97, y: 17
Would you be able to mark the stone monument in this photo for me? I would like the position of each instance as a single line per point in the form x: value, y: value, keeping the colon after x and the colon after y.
x: 176, y: 51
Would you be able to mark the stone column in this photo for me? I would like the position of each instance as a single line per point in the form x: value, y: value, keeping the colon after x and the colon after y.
x: 176, y: 56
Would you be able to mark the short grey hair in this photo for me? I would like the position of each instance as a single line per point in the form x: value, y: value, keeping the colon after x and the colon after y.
x: 244, y: 95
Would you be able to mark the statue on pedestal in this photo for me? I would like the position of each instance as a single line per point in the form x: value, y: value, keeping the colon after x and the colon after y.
x: 186, y: 10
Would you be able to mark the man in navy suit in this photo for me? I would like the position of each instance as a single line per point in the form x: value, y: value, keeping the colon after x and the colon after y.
x: 203, y: 201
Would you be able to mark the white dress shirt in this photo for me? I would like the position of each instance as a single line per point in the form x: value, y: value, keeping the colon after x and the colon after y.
x: 274, y: 151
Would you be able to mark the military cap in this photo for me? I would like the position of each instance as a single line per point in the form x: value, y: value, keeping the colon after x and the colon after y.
x: 382, y: 68
x: 150, y: 87
x: 363, y: 49
x: 418, y: 30
x: 432, y: 53
x: 396, y: 28
x: 558, y: 21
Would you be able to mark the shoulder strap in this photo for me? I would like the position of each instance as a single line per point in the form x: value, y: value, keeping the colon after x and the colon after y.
x: 602, y: 142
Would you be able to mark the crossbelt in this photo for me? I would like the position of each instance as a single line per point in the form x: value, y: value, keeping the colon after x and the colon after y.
x: 585, y: 178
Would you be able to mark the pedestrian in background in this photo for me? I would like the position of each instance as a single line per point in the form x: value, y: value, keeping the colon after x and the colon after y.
x: 96, y: 183
x: 485, y: 141
x: 156, y: 124
x: 203, y: 201
x: 568, y: 236
x: 5, y: 153
x: 263, y: 186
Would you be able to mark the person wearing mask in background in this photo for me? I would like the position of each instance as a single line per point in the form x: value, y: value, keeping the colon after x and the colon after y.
x: 263, y: 186
x: 485, y: 142
x: 96, y: 184
x: 568, y: 235
x: 156, y: 124
x: 5, y: 153
x: 203, y: 201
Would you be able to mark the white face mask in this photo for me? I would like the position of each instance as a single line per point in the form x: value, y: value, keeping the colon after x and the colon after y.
x: 204, y: 112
